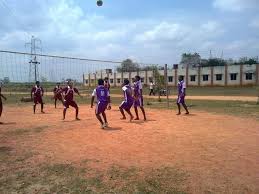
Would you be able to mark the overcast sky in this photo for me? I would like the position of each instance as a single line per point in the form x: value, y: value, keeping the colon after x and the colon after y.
x: 144, y: 30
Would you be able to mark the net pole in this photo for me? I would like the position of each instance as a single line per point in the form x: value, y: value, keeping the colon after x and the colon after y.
x: 166, y: 86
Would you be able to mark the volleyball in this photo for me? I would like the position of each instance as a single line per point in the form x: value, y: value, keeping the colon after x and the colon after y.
x: 99, y: 3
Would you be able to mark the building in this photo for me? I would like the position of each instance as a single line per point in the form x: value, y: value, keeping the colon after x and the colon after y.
x: 228, y: 75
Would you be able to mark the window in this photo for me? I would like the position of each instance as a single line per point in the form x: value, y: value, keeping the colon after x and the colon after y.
x: 150, y: 79
x: 111, y: 81
x: 86, y: 81
x: 92, y: 81
x: 205, y: 77
x: 170, y: 78
x: 193, y: 78
x: 118, y: 81
x: 218, y: 77
x: 233, y: 76
x: 142, y: 79
x: 249, y: 76
x: 132, y: 80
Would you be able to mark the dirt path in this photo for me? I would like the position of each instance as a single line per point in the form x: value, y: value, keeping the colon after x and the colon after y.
x: 223, y: 98
x: 219, y: 152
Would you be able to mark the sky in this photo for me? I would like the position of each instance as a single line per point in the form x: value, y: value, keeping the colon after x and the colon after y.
x: 147, y: 31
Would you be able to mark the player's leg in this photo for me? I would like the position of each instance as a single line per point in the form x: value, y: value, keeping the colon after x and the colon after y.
x: 42, y: 107
x: 130, y: 114
x: 34, y: 108
x: 144, y: 113
x: 142, y: 108
x: 179, y: 108
x: 74, y: 105
x: 105, y: 119
x: 123, y: 114
x: 136, y: 112
x: 121, y: 107
x: 64, y: 113
x: 56, y: 102
x: 184, y: 106
x: 1, y: 107
x: 66, y: 105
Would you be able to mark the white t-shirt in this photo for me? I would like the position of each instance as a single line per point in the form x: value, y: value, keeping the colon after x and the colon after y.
x: 151, y: 86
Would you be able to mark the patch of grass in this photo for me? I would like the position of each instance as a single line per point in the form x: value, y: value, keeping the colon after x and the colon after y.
x: 65, y: 178
x: 23, y: 131
x: 235, y: 108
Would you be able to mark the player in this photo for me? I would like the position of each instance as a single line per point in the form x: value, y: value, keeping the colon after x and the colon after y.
x: 68, y: 93
x: 138, y: 96
x: 1, y: 104
x: 37, y: 93
x: 106, y: 83
x: 57, y: 95
x: 103, y: 101
x: 128, y: 100
x: 181, y: 95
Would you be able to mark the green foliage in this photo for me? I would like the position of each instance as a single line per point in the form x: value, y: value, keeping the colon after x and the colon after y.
x: 128, y: 66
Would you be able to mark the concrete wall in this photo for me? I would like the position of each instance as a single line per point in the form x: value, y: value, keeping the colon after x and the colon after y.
x: 241, y: 72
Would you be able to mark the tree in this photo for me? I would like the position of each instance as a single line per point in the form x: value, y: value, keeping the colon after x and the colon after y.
x: 6, y: 80
x: 190, y: 59
x: 43, y: 79
x: 216, y: 62
x: 159, y: 81
x: 250, y: 62
x: 128, y: 66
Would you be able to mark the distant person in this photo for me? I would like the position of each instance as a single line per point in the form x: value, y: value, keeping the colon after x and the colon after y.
x: 128, y: 100
x: 103, y: 101
x: 1, y: 104
x: 138, y: 96
x: 57, y: 94
x: 68, y: 93
x: 107, y: 83
x: 181, y: 95
x: 37, y: 93
x: 151, y: 88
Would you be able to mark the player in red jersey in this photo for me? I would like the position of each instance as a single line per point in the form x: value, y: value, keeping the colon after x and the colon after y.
x: 37, y: 93
x: 106, y: 83
x: 1, y: 104
x: 57, y: 96
x: 68, y: 93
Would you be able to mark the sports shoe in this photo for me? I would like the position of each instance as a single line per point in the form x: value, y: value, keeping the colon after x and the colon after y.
x: 106, y: 125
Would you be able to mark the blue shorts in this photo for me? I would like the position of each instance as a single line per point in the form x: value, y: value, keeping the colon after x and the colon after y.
x: 101, y: 107
x: 139, y: 102
x: 126, y: 105
x: 181, y: 100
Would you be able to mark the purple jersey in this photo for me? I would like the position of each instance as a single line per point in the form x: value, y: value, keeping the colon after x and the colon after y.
x: 127, y: 93
x: 102, y: 94
x: 69, y: 93
x: 37, y: 91
x: 181, y: 87
x: 137, y: 88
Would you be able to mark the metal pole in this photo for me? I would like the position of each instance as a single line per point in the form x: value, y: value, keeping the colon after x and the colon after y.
x: 166, y: 85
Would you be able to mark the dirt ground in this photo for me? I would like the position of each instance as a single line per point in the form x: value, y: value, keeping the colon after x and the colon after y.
x: 219, y: 152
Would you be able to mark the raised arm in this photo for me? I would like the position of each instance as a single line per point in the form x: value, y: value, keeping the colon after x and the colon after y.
x: 32, y: 90
x: 76, y: 91
x: 93, y: 96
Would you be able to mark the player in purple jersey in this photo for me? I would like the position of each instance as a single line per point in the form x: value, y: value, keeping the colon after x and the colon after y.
x: 128, y: 100
x: 37, y: 93
x: 181, y: 95
x: 103, y: 100
x: 138, y: 96
x: 68, y: 93
x: 57, y: 97
x: 1, y: 104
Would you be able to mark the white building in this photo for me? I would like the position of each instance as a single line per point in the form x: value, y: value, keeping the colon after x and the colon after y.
x: 229, y: 75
